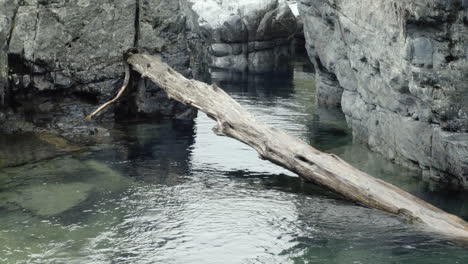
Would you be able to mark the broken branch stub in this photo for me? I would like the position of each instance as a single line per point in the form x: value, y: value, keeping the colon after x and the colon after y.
x: 117, y: 97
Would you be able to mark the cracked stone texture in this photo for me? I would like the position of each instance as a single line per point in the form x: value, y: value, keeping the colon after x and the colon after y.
x: 248, y: 35
x: 60, y: 59
x: 399, y: 71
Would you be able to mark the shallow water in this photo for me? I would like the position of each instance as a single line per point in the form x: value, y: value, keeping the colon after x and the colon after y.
x: 172, y: 192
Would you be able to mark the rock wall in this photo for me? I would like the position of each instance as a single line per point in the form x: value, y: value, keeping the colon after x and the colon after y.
x: 59, y: 59
x: 399, y: 71
x: 248, y: 35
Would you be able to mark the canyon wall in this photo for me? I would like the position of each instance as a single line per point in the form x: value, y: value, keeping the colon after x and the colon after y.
x: 60, y: 59
x: 399, y: 71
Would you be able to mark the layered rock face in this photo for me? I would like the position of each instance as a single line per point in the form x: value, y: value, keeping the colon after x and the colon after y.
x: 248, y: 35
x: 59, y: 59
x: 399, y: 70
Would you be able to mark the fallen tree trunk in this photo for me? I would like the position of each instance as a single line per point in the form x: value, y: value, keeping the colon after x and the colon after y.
x: 327, y: 170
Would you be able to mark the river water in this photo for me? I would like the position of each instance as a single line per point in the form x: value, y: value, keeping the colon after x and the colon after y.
x: 173, y: 192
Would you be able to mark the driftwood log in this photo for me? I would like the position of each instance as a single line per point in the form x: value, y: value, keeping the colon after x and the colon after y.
x: 326, y: 170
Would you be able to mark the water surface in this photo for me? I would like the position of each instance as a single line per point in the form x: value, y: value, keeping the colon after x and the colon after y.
x: 172, y: 192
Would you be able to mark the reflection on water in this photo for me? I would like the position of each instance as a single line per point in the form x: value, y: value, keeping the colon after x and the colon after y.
x: 172, y: 192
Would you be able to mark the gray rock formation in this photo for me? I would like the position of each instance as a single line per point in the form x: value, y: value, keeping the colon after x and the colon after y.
x: 399, y: 70
x: 249, y: 35
x: 59, y: 59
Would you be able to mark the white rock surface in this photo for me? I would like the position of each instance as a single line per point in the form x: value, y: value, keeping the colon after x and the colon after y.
x: 253, y: 35
x: 214, y: 13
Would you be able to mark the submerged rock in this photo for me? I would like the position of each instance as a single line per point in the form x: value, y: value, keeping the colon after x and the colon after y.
x: 399, y: 71
x: 51, y: 199
x: 53, y: 187
x: 26, y: 148
x: 104, y: 178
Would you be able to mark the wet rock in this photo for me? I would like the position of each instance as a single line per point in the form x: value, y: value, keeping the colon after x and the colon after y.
x: 398, y: 71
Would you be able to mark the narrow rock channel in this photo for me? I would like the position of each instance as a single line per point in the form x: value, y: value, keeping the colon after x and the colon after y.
x: 382, y: 84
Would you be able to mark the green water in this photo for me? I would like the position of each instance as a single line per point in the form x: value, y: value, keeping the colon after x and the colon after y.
x: 172, y: 192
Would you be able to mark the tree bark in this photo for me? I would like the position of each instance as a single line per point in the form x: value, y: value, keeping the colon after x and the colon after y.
x: 326, y: 170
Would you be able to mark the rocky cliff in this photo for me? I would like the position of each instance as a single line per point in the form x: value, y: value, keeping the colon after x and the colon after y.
x: 399, y: 71
x: 60, y: 59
